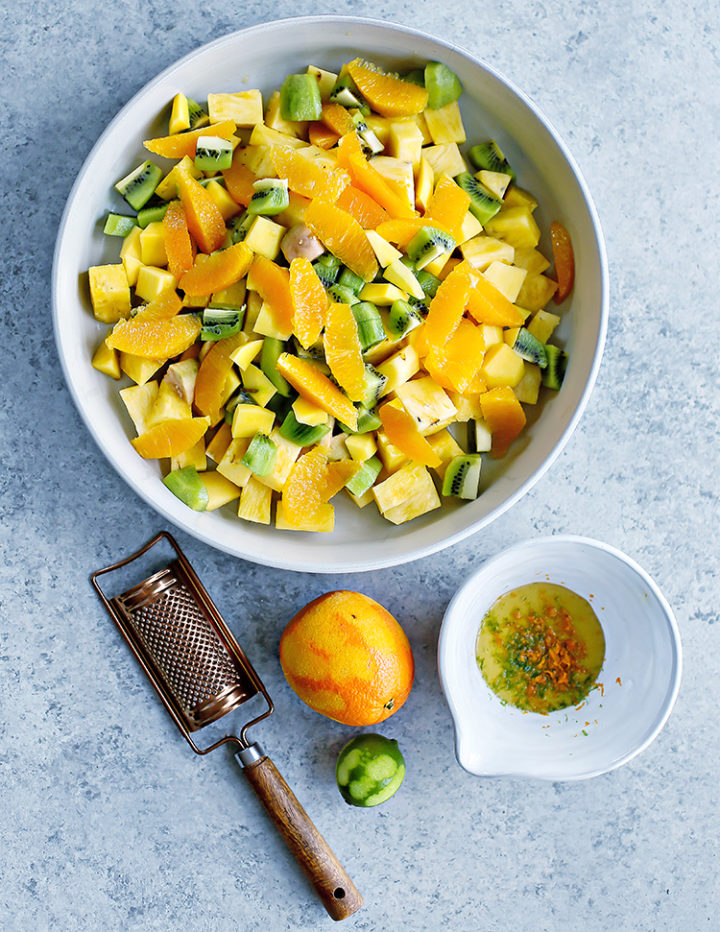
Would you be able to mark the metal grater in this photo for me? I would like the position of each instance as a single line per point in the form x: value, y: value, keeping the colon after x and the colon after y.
x: 201, y: 673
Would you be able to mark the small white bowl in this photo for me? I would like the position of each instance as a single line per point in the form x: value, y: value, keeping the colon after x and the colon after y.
x: 640, y: 675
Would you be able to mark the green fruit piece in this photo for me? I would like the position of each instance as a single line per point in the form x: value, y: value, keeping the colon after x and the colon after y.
x: 260, y: 455
x: 429, y: 243
x: 187, y: 485
x: 488, y: 156
x: 442, y: 85
x: 326, y: 269
x: 483, y: 203
x: 271, y: 351
x: 213, y: 154
x: 416, y: 76
x: 462, y: 476
x: 365, y: 478
x: 118, y: 225
x: 369, y: 324
x: 270, y: 197
x: 152, y: 214
x: 346, y: 93
x: 369, y: 770
x: 198, y: 114
x: 341, y: 294
x: 220, y: 322
x: 302, y: 434
x: 300, y: 98
x: 554, y: 373
x: 139, y: 186
x: 403, y: 318
x: 350, y: 280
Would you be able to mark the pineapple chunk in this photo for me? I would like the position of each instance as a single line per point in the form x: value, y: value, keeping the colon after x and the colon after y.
x: 481, y: 251
x: 502, y: 366
x: 152, y: 281
x: 407, y: 494
x: 245, y: 108
x: 232, y: 297
x: 130, y: 255
x: 264, y: 237
x: 179, y: 115
x: 168, y: 405
x: 361, y: 447
x: 424, y: 185
x: 445, y: 160
x: 232, y: 383
x: 250, y: 419
x: 528, y: 388
x: 336, y: 447
x: 497, y: 182
x: 397, y: 273
x: 536, y: 292
x: 307, y: 413
x: 138, y: 368
x: 265, y: 136
x: 224, y: 203
x: 531, y: 260
x: 399, y: 368
x: 508, y: 279
x: 287, y: 453
x: 381, y: 293
x: 167, y: 189
x: 258, y: 159
x: 109, y: 292
x: 325, y: 79
x: 274, y: 120
x: 255, y: 502
x: 266, y: 326
x: 152, y: 244
x: 361, y: 500
x: 217, y: 448
x: 483, y: 435
x: 196, y: 300
x: 468, y: 407
x: 405, y: 142
x: 140, y: 401
x: 294, y: 213
x: 516, y: 226
x: 491, y: 334
x: 469, y: 228
x: 392, y: 458
x: 107, y: 360
x: 427, y: 403
x: 220, y: 490
x: 258, y: 385
x: 231, y: 465
x: 399, y: 172
x: 517, y: 197
x: 323, y: 523
x: 385, y: 252
x: 445, y: 125
x: 446, y: 447
x: 244, y: 355
x: 195, y: 456
x: 542, y: 325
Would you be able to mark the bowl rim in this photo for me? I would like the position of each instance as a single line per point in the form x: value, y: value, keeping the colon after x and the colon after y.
x: 538, y: 543
x: 276, y: 559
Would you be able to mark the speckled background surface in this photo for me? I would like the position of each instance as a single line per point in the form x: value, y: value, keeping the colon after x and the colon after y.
x: 107, y: 821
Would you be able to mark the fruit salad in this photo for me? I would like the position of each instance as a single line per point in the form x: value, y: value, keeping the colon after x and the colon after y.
x: 321, y: 293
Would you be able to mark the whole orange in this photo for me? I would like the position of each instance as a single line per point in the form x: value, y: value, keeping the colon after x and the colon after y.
x: 348, y: 658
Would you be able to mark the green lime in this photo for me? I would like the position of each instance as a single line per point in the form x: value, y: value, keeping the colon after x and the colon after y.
x: 369, y: 770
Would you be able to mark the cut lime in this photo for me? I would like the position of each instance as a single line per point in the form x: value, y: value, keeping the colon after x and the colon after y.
x: 370, y: 768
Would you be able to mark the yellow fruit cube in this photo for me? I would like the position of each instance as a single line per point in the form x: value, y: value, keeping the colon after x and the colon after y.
x: 245, y: 108
x: 361, y: 447
x: 244, y: 355
x: 130, y: 255
x: 168, y: 405
x: 167, y: 189
x: 502, y: 366
x: 107, y: 360
x: 531, y: 260
x: 255, y: 502
x: 287, y: 453
x: 446, y: 447
x: 109, y: 292
x: 445, y: 160
x: 232, y: 297
x: 528, y: 388
x: 385, y: 252
x: 258, y: 384
x: 543, y: 324
x: 516, y: 226
x: 468, y: 407
x: 469, y: 228
x: 481, y: 251
x: 220, y: 490
x: 445, y: 125
x: 152, y: 244
x: 438, y: 265
x: 195, y: 456
x: 139, y: 401
x: 224, y: 203
x: 179, y: 115
x: 217, y: 448
x: 536, y: 292
x: 392, y: 458
x: 517, y: 197
x: 266, y: 326
x: 361, y: 500
x: 295, y: 211
x: 381, y: 293
x: 407, y: 494
x: 405, y: 142
x: 491, y: 334
x: 497, y: 182
x: 325, y: 79
x: 324, y: 523
x: 427, y: 403
x: 397, y: 273
x: 264, y: 237
x: 152, y: 281
x: 231, y: 465
x: 508, y: 279
x: 138, y: 368
x: 307, y: 413
x: 265, y: 136
x: 424, y: 185
x: 250, y: 419
x: 400, y: 367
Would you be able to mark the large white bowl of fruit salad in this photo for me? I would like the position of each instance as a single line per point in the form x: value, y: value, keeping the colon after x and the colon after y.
x: 346, y: 304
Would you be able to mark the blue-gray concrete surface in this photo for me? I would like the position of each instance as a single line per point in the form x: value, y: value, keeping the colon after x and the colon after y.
x: 107, y: 821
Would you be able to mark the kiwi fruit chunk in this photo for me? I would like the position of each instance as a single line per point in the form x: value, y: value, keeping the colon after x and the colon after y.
x: 428, y: 243
x: 220, y: 322
x: 118, y: 225
x: 462, y: 476
x: 197, y: 113
x: 369, y: 324
x: 327, y: 269
x: 367, y: 420
x: 213, y: 154
x: 270, y: 196
x: 365, y: 478
x: 342, y: 295
x: 300, y: 98
x: 271, y: 350
x: 403, y: 318
x: 302, y: 434
x: 488, y: 156
x: 239, y: 226
x: 428, y: 282
x: 374, y: 384
x: 260, y: 455
x: 187, y: 485
x: 483, y: 203
x: 416, y: 76
x: 350, y: 280
x: 345, y: 92
x: 139, y: 186
x: 442, y: 85
x: 530, y: 348
x: 152, y: 213
x: 370, y: 143
x: 554, y: 373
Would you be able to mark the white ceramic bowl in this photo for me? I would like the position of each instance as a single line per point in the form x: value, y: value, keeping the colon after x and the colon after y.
x: 640, y: 675
x: 261, y: 57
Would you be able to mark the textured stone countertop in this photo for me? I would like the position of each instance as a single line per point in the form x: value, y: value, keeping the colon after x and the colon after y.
x: 107, y: 821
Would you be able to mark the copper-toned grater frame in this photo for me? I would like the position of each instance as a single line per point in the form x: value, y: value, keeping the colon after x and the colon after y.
x: 124, y: 607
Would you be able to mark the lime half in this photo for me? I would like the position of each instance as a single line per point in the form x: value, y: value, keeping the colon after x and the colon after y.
x: 369, y: 769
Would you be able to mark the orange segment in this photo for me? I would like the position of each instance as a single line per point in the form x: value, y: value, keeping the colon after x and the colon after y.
x: 336, y: 118
x: 490, y: 306
x: 309, y: 382
x: 273, y: 283
x: 166, y: 305
x: 455, y: 365
x: 202, y: 214
x: 218, y: 271
x: 178, y: 245
x: 447, y: 308
x: 306, y: 177
x: 388, y: 95
x: 505, y: 417
x: 343, y: 236
x: 564, y: 258
x: 181, y: 144
x: 309, y: 300
x: 170, y: 438
x: 213, y: 373
x: 399, y: 232
x: 322, y: 137
x: 369, y: 179
x: 154, y: 339
x: 448, y: 206
x: 239, y: 179
x: 343, y: 351
x: 301, y: 497
x: 368, y: 213
x: 402, y: 432
x: 338, y: 474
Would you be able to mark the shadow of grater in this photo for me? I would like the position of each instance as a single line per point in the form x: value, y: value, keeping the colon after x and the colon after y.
x: 201, y: 673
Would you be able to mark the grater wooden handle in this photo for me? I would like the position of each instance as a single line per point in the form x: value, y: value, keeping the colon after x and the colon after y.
x: 338, y: 893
